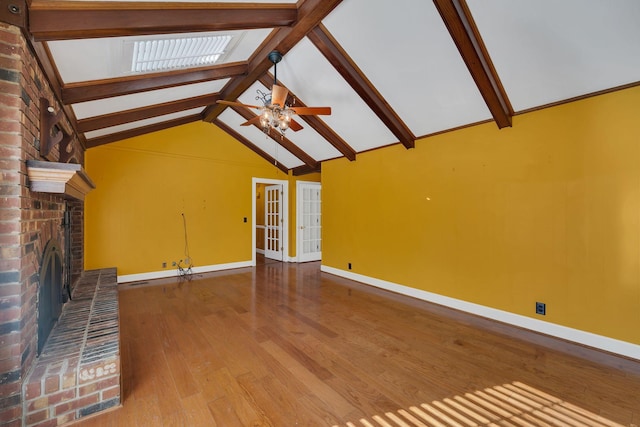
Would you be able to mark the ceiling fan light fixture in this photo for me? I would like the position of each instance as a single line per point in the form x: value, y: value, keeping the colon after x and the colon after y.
x: 276, y: 111
x: 275, y: 118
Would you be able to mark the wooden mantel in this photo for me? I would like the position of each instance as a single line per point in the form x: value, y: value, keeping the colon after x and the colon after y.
x: 68, y: 179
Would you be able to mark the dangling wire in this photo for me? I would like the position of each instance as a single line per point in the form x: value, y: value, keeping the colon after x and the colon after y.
x: 275, y: 159
x: 185, y: 271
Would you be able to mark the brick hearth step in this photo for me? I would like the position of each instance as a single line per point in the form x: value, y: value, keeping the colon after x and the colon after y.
x: 78, y: 372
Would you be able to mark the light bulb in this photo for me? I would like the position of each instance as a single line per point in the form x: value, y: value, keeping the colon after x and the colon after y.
x: 265, y: 118
x: 285, y: 119
x: 284, y: 122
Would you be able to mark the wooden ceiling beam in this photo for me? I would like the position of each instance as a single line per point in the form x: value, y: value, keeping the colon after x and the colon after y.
x: 135, y: 114
x: 250, y: 145
x: 348, y: 69
x: 316, y: 123
x: 280, y: 139
x: 14, y: 12
x: 310, y: 14
x: 113, y: 137
x: 64, y: 20
x: 304, y: 169
x: 458, y: 20
x: 99, y: 89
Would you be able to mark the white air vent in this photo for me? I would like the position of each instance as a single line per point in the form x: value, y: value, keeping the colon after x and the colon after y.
x: 167, y: 54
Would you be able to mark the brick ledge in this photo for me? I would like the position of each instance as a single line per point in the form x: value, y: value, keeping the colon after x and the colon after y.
x: 78, y: 372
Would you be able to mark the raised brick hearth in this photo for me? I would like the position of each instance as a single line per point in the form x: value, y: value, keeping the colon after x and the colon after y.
x: 78, y: 371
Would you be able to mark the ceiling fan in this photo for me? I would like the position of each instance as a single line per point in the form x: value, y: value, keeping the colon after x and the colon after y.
x: 276, y: 112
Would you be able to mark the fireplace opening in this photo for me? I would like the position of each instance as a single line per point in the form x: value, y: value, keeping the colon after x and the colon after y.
x: 51, y: 297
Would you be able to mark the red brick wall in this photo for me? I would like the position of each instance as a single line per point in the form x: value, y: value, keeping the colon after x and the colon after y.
x: 27, y: 220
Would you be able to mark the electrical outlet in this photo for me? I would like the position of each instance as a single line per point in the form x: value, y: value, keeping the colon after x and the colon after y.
x: 541, y: 308
x: 173, y: 264
x: 164, y: 264
x: 349, y: 266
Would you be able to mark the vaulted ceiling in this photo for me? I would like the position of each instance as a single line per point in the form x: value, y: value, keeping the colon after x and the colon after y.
x: 392, y: 71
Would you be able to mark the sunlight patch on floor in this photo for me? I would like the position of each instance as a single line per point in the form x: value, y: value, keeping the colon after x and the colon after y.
x: 514, y: 404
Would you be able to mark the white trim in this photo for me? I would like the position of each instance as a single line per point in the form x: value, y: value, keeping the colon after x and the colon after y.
x: 601, y: 342
x: 299, y: 210
x: 273, y: 220
x: 284, y: 210
x: 174, y: 272
x: 260, y: 251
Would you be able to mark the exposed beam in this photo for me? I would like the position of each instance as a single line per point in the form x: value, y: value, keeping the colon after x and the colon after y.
x: 250, y: 145
x: 348, y: 69
x: 14, y: 12
x: 280, y: 139
x: 106, y: 139
x: 310, y: 14
x: 303, y: 170
x: 98, y: 89
x: 63, y: 20
x: 458, y: 20
x: 317, y: 124
x: 128, y: 116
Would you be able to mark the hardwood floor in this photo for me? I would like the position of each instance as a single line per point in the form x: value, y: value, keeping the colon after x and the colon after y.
x: 286, y: 345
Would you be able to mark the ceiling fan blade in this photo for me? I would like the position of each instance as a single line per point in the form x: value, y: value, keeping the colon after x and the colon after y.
x: 295, y: 126
x: 253, y: 121
x: 321, y: 111
x: 279, y: 95
x: 238, y: 104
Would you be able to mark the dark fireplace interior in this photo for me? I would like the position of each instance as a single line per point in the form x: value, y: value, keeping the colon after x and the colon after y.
x: 51, y: 295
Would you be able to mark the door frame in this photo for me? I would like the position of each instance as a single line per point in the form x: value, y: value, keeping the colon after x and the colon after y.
x: 299, y: 184
x: 273, y: 221
x: 284, y: 213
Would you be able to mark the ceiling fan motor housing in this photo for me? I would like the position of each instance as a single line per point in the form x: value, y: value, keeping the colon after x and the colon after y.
x: 275, y: 56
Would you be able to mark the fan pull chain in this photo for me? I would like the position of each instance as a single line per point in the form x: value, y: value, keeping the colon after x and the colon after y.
x: 275, y: 160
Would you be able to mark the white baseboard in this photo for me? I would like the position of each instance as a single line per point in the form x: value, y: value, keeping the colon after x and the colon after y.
x: 260, y: 251
x: 611, y: 345
x: 174, y: 272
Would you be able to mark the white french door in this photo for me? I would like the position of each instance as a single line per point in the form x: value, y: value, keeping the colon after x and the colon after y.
x: 273, y: 222
x: 309, y: 242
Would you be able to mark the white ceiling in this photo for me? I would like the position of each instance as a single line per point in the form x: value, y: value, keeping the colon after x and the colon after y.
x: 543, y: 51
x: 547, y: 51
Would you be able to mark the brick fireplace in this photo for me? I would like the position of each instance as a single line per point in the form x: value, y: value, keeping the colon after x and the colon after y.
x: 41, y: 241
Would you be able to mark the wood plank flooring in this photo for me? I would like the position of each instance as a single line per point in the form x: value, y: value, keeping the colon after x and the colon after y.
x: 287, y: 345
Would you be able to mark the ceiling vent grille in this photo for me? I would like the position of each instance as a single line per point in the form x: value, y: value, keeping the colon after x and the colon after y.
x: 167, y: 54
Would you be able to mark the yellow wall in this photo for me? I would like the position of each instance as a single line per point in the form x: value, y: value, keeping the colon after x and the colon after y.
x: 133, y: 218
x: 548, y: 210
